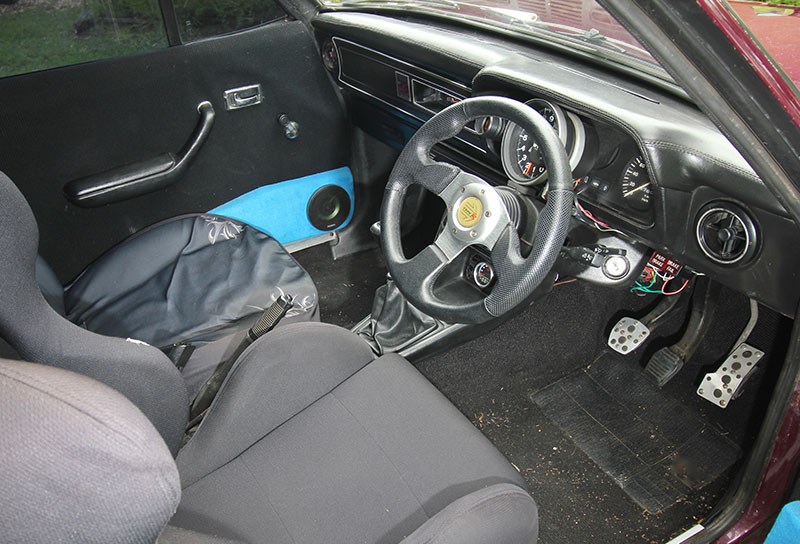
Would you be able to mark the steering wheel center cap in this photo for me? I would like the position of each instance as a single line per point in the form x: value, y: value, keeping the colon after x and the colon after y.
x: 469, y: 212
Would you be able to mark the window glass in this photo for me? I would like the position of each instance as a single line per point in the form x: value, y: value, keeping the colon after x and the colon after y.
x: 203, y: 18
x: 40, y: 34
x: 776, y: 26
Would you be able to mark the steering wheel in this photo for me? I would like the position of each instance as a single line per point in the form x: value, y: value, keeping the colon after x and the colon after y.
x: 476, y: 215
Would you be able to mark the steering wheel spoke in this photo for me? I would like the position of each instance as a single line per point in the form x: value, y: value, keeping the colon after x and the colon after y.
x: 422, y: 270
x: 448, y: 245
x: 436, y: 176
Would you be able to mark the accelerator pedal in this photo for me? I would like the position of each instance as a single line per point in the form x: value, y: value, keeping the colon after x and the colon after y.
x: 627, y: 335
x: 725, y: 384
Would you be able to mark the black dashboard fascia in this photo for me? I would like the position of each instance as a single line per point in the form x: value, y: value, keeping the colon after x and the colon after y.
x: 690, y: 161
x: 370, y: 79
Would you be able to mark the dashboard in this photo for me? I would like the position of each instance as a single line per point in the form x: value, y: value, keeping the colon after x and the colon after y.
x: 650, y: 169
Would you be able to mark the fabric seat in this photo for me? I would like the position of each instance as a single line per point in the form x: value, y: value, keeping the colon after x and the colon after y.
x: 309, y: 439
x: 331, y: 446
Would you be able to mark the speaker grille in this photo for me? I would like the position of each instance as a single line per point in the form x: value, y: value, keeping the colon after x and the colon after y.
x: 726, y: 234
x: 328, y: 207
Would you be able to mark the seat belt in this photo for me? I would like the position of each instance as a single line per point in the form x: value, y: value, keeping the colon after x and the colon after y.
x: 265, y: 323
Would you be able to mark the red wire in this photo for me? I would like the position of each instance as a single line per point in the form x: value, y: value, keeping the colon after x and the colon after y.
x: 685, y: 283
x: 590, y: 216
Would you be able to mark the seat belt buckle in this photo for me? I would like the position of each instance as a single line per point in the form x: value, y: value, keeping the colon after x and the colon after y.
x: 270, y: 317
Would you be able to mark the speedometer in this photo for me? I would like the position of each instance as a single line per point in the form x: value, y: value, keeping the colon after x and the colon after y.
x: 521, y: 157
x: 637, y: 190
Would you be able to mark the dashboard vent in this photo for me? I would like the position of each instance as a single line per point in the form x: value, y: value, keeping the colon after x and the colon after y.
x: 726, y: 233
x: 330, y: 57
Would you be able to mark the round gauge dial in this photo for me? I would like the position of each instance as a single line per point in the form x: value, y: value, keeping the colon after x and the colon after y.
x: 483, y: 274
x: 521, y: 158
x: 636, y: 186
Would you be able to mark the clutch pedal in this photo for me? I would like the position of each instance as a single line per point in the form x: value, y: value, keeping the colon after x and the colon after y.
x: 627, y: 335
x: 630, y: 333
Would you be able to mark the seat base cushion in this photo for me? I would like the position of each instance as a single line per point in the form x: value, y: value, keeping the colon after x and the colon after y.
x: 369, y: 459
x: 191, y: 278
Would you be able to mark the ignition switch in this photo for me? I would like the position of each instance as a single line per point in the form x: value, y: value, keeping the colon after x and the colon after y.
x: 612, y: 261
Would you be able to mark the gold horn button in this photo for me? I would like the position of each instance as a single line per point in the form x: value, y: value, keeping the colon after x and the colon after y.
x: 469, y: 212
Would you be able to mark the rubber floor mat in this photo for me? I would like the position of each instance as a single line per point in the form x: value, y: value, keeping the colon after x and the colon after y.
x: 652, y: 446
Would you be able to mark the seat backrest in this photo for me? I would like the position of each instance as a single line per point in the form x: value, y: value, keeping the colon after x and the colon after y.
x: 30, y: 325
x: 51, y: 288
x: 80, y: 463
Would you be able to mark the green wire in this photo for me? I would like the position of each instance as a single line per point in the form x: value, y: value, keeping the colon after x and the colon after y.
x: 646, y: 288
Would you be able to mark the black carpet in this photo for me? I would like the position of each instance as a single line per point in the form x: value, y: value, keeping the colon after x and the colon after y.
x: 346, y: 286
x: 491, y: 380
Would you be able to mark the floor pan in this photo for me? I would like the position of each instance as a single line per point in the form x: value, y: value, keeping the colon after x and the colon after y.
x: 653, y: 447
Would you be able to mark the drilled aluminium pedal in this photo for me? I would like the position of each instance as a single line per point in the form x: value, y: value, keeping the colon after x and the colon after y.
x: 722, y: 386
x: 627, y: 335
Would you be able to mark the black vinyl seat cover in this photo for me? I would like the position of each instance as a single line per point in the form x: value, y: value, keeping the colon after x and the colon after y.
x: 199, y: 276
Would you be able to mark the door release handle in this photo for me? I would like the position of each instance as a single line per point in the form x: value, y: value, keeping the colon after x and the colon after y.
x: 242, y: 97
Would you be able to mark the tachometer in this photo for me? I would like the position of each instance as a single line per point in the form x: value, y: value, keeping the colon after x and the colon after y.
x: 521, y: 158
x: 636, y: 186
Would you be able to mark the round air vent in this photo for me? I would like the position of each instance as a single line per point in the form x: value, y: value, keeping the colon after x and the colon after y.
x: 726, y: 233
x: 330, y: 57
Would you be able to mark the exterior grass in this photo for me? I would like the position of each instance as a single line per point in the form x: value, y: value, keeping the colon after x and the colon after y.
x: 38, y: 38
x: 794, y: 3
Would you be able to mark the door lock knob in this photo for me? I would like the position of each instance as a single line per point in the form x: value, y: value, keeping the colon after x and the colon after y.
x: 291, y: 128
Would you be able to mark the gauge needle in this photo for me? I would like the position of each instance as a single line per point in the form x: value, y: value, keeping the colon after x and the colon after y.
x: 639, y: 188
x: 528, y: 168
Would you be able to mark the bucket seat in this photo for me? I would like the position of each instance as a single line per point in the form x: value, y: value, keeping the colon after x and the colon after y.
x: 310, y: 438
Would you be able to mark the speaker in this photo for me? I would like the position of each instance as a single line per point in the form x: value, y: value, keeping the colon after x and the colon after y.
x: 296, y: 209
x: 328, y: 207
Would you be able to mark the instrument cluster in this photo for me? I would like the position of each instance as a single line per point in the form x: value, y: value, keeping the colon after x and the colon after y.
x: 610, y: 171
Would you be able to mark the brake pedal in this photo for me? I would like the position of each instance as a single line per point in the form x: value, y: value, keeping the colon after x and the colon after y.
x: 722, y: 386
x: 668, y: 361
x: 627, y: 335
x: 664, y: 365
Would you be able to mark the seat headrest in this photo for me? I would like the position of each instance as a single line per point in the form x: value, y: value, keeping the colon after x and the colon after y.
x: 80, y: 462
